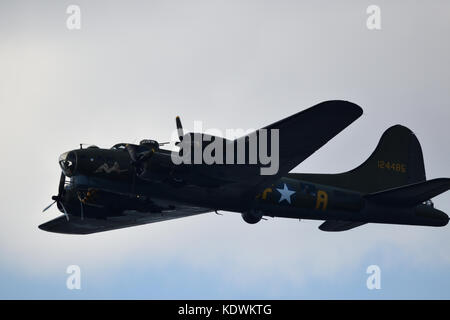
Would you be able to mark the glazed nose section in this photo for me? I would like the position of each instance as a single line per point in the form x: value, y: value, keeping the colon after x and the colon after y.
x: 68, y: 163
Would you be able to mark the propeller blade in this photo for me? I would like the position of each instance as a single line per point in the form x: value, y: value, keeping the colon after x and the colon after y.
x: 64, y: 209
x: 57, y: 199
x: 144, y: 156
x: 179, y: 128
x: 133, y: 186
x: 132, y: 152
x: 62, y: 181
x: 138, y: 159
x: 48, y: 207
x: 81, y: 205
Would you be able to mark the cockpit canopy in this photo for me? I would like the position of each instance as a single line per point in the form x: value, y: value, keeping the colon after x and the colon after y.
x: 119, y: 146
x: 151, y: 144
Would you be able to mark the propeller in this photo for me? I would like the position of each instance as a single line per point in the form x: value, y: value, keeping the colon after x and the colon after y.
x: 132, y: 152
x: 138, y: 159
x: 58, y: 198
x: 48, y: 207
x: 179, y: 130
x: 81, y: 206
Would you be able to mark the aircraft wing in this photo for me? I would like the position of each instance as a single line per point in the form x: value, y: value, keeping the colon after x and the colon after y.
x: 133, y: 218
x: 300, y: 135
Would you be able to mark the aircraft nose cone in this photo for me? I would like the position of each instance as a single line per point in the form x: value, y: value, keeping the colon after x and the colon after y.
x: 67, y: 162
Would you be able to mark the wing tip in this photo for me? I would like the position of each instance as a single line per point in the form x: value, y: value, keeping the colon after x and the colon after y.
x: 345, y: 105
x: 61, y: 226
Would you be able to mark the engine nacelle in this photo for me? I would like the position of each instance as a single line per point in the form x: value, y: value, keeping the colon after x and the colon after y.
x: 252, y: 216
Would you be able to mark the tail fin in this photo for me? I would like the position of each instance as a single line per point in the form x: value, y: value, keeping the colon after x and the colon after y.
x: 396, y: 161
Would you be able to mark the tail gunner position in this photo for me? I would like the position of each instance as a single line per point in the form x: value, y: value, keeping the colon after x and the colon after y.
x: 129, y: 185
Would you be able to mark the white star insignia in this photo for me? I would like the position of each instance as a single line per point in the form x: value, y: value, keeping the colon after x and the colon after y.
x: 285, y: 194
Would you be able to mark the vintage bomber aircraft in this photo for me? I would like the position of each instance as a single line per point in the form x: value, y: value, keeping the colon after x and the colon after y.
x: 129, y: 185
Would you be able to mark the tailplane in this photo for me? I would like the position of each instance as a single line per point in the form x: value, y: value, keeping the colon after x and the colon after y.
x: 411, y: 195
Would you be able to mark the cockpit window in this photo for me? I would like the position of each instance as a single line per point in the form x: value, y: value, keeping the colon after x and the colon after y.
x: 119, y: 146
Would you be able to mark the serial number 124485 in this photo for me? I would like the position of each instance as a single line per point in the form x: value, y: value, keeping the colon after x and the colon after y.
x: 394, y: 166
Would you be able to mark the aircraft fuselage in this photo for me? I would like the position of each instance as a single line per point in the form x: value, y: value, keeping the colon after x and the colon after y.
x: 103, y: 186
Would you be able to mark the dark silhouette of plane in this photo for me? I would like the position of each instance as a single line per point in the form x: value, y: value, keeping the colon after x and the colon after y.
x: 129, y: 185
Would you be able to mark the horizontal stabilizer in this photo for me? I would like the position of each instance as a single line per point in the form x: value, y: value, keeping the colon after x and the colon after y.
x: 339, y: 225
x: 412, y: 194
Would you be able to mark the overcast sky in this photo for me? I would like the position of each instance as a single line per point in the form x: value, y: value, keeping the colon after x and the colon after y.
x: 133, y: 66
